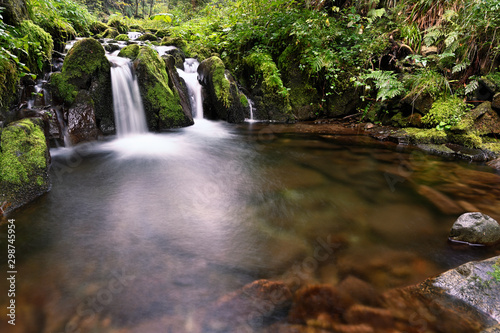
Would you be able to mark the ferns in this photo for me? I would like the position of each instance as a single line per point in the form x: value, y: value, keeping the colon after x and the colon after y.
x: 387, y: 84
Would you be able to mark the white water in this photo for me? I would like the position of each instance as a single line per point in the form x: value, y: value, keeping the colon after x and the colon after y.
x: 127, y: 102
x: 251, y: 106
x: 190, y: 76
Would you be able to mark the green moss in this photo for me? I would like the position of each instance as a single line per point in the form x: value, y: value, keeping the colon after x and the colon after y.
x: 147, y: 37
x: 9, y: 80
x: 446, y: 113
x: 174, y: 41
x: 60, y: 31
x: 110, y: 33
x: 469, y: 139
x: 39, y: 47
x: 121, y: 27
x: 162, y: 33
x: 122, y: 38
x: 222, y: 86
x: 160, y: 102
x: 23, y: 151
x: 244, y: 100
x: 130, y: 51
x: 418, y: 135
x: 83, y: 62
x: 97, y: 27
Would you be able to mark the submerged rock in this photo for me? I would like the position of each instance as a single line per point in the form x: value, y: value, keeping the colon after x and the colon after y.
x: 475, y: 228
x: 248, y: 307
x: 24, y: 161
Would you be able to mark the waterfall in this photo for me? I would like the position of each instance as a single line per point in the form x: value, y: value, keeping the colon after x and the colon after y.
x: 127, y: 102
x: 190, y: 76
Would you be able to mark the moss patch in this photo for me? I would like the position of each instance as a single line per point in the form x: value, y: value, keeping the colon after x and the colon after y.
x: 121, y: 27
x: 418, y: 135
x: 122, y: 38
x: 130, y: 51
x: 23, y: 152
x: 147, y: 37
x: 9, y: 80
x: 162, y: 105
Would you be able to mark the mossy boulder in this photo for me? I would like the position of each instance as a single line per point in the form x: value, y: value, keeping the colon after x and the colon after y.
x: 110, y: 33
x: 161, y: 104
x: 178, y: 85
x: 304, y: 98
x: 121, y: 27
x: 9, y: 82
x: 61, y: 32
x: 147, y: 37
x: 130, y: 51
x: 15, y: 11
x: 271, y: 97
x: 24, y: 161
x: 98, y: 27
x: 162, y: 33
x: 122, y: 38
x: 174, y: 41
x: 222, y: 99
x: 36, y: 58
x: 87, y: 68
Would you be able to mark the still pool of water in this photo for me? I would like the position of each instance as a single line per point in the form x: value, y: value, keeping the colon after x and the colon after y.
x: 147, y: 232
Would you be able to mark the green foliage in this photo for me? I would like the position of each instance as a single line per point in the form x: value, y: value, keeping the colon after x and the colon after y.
x: 445, y: 113
x: 37, y: 46
x: 426, y: 81
x: 495, y: 274
x: 386, y: 82
x: 63, y: 14
x: 122, y: 38
x: 266, y: 72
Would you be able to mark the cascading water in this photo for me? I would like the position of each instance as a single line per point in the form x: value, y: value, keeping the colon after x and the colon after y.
x: 128, y: 108
x: 190, y: 76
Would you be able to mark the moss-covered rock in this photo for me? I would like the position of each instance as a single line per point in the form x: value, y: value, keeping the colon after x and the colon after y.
x: 130, y: 51
x: 162, y: 33
x: 223, y: 99
x: 110, y: 33
x: 174, y: 41
x: 98, y: 27
x: 15, y: 11
x: 122, y: 38
x: 121, y: 27
x: 426, y: 136
x: 61, y: 32
x: 161, y: 104
x: 147, y: 37
x: 9, y: 81
x: 271, y: 97
x: 24, y: 159
x: 87, y: 68
x: 36, y: 58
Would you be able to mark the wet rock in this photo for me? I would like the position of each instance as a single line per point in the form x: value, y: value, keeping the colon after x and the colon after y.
x: 495, y: 103
x: 87, y: 68
x: 428, y: 50
x: 472, y: 284
x: 249, y: 307
x: 361, y: 291
x: 440, y: 200
x: 178, y: 84
x: 81, y: 119
x: 495, y: 329
x: 494, y: 163
x: 224, y: 100
x: 486, y: 89
x: 488, y: 120
x: 313, y: 301
x: 161, y: 105
x: 475, y: 228
x: 24, y: 162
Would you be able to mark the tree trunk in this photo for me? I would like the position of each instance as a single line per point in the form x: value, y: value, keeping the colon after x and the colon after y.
x: 151, y: 3
x: 136, y: 8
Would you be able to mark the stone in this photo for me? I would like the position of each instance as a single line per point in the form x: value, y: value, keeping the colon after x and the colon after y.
x: 375, y: 317
x: 81, y: 119
x: 428, y: 50
x: 495, y: 103
x: 473, y: 284
x: 494, y: 163
x: 486, y: 89
x: 476, y: 229
x: 178, y: 84
x: 24, y: 163
x: 223, y: 98
x: 487, y: 121
x: 162, y: 105
x: 248, y: 306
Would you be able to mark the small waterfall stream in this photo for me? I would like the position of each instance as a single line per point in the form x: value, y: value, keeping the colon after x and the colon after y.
x: 127, y: 101
x: 190, y: 76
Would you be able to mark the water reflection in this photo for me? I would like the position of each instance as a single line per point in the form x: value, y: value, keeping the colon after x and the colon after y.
x: 147, y: 232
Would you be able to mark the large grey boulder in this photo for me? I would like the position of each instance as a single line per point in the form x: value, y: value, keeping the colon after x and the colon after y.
x: 473, y: 284
x: 476, y: 229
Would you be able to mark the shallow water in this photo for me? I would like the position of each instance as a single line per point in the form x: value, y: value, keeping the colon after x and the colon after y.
x: 149, y: 231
